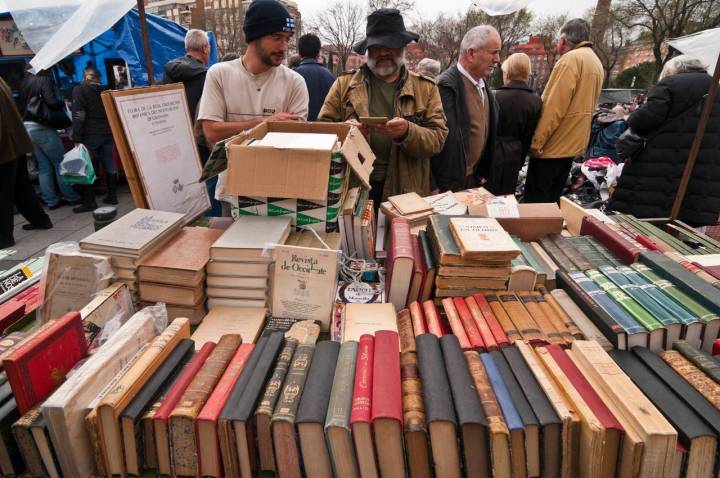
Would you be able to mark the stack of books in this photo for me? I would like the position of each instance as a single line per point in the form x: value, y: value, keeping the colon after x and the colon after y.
x: 131, y: 238
x: 474, y: 255
x: 357, y: 225
x: 239, y: 268
x: 175, y: 273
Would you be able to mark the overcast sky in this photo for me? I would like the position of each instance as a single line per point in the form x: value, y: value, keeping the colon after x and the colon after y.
x: 430, y: 8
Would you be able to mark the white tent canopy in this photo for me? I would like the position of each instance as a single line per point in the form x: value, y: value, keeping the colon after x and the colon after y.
x: 500, y: 7
x: 704, y: 46
x: 55, y: 28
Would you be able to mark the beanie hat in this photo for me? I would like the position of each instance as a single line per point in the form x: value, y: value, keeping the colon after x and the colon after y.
x: 264, y: 17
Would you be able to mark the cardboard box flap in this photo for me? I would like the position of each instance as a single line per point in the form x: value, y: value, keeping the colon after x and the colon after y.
x: 358, y: 155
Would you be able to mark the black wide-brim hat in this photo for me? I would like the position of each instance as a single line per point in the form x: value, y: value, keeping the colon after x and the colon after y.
x: 385, y: 27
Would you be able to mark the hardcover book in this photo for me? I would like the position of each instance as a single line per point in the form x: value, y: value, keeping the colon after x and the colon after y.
x: 432, y: 318
x: 361, y: 408
x: 248, y: 236
x: 706, y: 386
x: 456, y: 325
x: 492, y: 321
x: 701, y: 359
x: 26, y: 444
x: 39, y: 365
x: 246, y: 322
x: 418, y: 274
x: 417, y: 317
x: 482, y: 325
x: 417, y: 450
x: 509, y: 328
x: 482, y: 238
x: 428, y: 259
x: 337, y: 420
x: 360, y: 319
x: 400, y: 263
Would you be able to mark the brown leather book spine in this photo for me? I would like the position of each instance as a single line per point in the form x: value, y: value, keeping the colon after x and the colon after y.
x: 503, y: 318
x: 694, y: 376
x: 561, y: 314
x: 526, y: 326
x: 406, y: 331
x: 418, y: 318
x: 484, y: 389
x: 540, y: 318
x: 572, y: 253
x: 557, y: 322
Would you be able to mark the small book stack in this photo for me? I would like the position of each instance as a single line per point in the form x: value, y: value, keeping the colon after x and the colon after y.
x: 132, y: 238
x: 473, y: 254
x: 239, y: 268
x: 175, y: 273
x: 357, y: 225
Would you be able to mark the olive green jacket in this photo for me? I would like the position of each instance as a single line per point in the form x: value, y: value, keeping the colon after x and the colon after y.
x: 417, y: 100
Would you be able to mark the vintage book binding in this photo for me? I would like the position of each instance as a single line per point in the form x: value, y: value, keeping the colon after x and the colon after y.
x: 400, y: 263
x: 482, y: 325
x: 470, y: 415
x: 162, y: 415
x: 539, y: 317
x: 560, y: 319
x: 706, y: 386
x: 39, y: 365
x: 386, y: 408
x: 439, y: 410
x: 361, y: 408
x: 313, y: 409
x: 526, y: 326
x: 434, y: 326
x: 417, y: 317
x: 246, y: 322
x: 362, y: 319
x: 587, y: 328
x: 469, y: 324
x: 417, y: 449
x: 405, y: 331
x: 206, y: 423
x: 246, y: 238
x: 418, y: 273
x: 508, y: 326
x: 701, y: 359
x: 428, y: 259
x: 618, y: 245
x: 456, y: 324
x: 26, y: 443
x: 410, y: 203
x: 287, y: 452
x: 482, y: 238
x: 115, y: 401
x: 337, y: 421
x: 496, y: 327
x: 11, y: 463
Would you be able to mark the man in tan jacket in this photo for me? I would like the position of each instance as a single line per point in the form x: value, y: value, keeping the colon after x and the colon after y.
x: 415, y: 128
x: 569, y: 100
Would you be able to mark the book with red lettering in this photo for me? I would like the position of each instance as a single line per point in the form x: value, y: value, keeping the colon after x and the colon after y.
x: 618, y: 245
x: 400, y: 263
x: 160, y: 420
x: 432, y: 319
x: 361, y: 408
x: 471, y: 328
x: 456, y: 325
x: 483, y: 328
x: 418, y: 276
x: 500, y: 337
x: 387, y: 416
x: 206, y: 423
x: 418, y: 318
x: 40, y: 364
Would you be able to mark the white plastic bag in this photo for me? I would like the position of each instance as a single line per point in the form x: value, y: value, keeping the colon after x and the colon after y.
x: 76, y: 166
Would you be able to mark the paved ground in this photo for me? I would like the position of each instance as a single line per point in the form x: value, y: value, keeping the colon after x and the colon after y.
x: 68, y: 226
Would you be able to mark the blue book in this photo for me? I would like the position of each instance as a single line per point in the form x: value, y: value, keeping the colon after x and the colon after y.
x: 510, y: 413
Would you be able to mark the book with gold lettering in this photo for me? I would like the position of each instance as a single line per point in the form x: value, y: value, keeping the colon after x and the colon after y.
x: 524, y: 323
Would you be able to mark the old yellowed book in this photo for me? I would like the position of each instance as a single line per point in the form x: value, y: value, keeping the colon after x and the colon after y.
x: 630, y: 406
x: 482, y: 238
x: 245, y: 322
x: 115, y: 401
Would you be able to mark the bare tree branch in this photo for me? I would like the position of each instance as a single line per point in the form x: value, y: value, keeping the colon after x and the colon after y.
x: 340, y: 25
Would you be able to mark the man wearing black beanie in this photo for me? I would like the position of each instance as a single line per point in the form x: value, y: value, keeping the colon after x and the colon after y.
x: 240, y: 94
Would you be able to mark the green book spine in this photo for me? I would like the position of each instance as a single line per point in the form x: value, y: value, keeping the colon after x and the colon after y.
x: 700, y: 311
x: 593, y: 256
x: 560, y: 258
x: 527, y: 256
x: 571, y: 251
x: 672, y: 307
x: 602, y: 250
x: 643, y: 317
x: 640, y: 296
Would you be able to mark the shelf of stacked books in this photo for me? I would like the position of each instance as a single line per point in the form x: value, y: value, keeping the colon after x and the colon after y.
x: 457, y: 335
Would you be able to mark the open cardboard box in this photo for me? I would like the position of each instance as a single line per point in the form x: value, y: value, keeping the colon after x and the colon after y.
x: 534, y: 221
x: 293, y: 173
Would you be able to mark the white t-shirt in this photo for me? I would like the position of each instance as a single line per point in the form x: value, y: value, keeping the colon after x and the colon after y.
x: 231, y: 93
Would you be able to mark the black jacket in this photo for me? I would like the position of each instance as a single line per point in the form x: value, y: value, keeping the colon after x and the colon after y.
x: 669, y: 119
x: 88, y: 113
x: 318, y: 80
x: 448, y: 168
x: 33, y: 85
x: 518, y: 113
x: 191, y: 73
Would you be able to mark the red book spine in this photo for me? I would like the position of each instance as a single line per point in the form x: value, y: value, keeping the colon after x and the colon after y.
x: 716, y: 347
x: 471, y: 329
x: 495, y: 327
x: 624, y: 250
x: 40, y: 364
x: 386, y: 392
x: 419, y: 270
x: 215, y: 403
x: 418, y: 318
x: 434, y: 326
x: 456, y: 324
x: 400, y: 246
x: 581, y: 384
x: 362, y: 391
x: 10, y: 312
x: 187, y: 376
x: 482, y: 325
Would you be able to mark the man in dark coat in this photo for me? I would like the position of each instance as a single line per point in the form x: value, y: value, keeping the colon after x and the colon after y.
x: 668, y: 120
x: 471, y: 112
x: 317, y: 78
x: 190, y: 70
x: 15, y: 187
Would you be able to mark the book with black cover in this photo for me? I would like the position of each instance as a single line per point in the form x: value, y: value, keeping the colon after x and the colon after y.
x: 426, y: 290
x: 701, y: 359
x: 522, y: 405
x: 470, y: 414
x: 130, y: 418
x: 235, y: 417
x: 550, y: 423
x: 439, y: 412
x: 312, y: 411
x: 694, y: 434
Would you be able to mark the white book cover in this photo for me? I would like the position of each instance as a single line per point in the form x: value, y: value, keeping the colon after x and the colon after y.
x: 134, y: 231
x: 254, y: 232
x: 482, y: 235
x: 315, y: 141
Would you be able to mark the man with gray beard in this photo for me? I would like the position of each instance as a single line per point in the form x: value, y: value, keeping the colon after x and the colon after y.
x: 384, y: 87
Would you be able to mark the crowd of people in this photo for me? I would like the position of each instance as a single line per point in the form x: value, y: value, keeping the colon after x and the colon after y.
x: 444, y: 130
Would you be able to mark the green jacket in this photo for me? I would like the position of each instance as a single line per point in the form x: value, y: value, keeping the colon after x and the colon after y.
x: 418, y: 101
x: 13, y: 136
